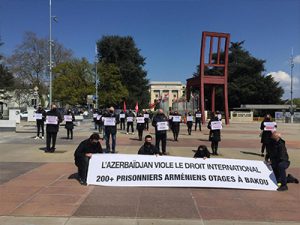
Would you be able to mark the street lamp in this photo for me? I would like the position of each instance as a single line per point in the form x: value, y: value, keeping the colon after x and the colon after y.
x: 291, y: 107
x: 50, y: 51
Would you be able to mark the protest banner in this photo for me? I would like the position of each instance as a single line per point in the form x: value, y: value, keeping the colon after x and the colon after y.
x: 270, y: 126
x: 170, y: 171
x: 51, y: 120
x: 216, y: 125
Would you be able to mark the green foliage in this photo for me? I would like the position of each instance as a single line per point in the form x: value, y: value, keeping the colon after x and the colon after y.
x: 111, y: 89
x: 123, y: 52
x: 73, y: 82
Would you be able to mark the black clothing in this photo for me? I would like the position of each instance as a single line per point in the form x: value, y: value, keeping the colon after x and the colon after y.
x: 265, y: 138
x: 130, y: 124
x: 70, y: 126
x: 40, y: 122
x: 198, y: 120
x: 160, y: 135
x: 110, y: 131
x: 82, y: 161
x: 140, y: 127
x: 279, y: 160
x: 202, y: 153
x: 52, y: 130
x: 148, y: 150
x: 146, y: 121
x: 214, y: 136
x: 175, y: 127
x: 189, y: 126
x: 122, y: 121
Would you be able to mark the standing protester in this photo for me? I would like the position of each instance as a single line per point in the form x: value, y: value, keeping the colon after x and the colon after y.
x: 40, y: 116
x: 279, y: 160
x: 160, y: 122
x: 95, y: 114
x: 146, y: 116
x: 198, y: 117
x: 53, y: 119
x: 110, y: 126
x: 170, y: 119
x: 122, y: 120
x: 69, y: 118
x: 176, y: 119
x: 83, y: 153
x: 189, y: 122
x: 129, y: 118
x: 140, y: 125
x: 99, y: 121
x: 214, y: 134
x: 148, y: 148
x: 265, y: 136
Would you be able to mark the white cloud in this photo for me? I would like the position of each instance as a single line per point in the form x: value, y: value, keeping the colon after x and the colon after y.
x: 297, y: 59
x: 284, y: 80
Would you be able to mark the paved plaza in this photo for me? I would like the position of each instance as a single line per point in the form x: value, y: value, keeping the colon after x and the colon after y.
x: 35, y: 189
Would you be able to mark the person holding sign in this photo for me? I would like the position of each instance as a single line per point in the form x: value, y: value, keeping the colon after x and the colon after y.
x: 189, y: 122
x: 122, y: 120
x: 99, y: 121
x: 83, y: 153
x: 69, y: 118
x: 40, y: 116
x: 279, y: 159
x: 140, y: 125
x: 148, y: 148
x: 198, y: 116
x: 110, y: 127
x: 146, y: 116
x: 215, y: 126
x: 53, y: 119
x: 95, y: 114
x: 266, y: 135
x: 160, y: 122
x: 129, y: 118
x: 176, y: 119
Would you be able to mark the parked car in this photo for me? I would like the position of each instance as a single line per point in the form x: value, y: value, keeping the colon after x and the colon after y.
x: 24, y: 115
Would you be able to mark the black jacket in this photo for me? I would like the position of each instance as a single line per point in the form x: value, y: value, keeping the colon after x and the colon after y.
x: 43, y: 112
x: 266, y: 134
x: 278, y: 152
x: 148, y: 150
x: 87, y: 147
x: 159, y: 118
x: 53, y: 128
x: 69, y: 124
x: 202, y: 154
x: 214, y: 135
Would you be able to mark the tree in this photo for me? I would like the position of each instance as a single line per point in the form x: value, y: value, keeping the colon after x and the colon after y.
x: 247, y: 83
x: 30, y: 60
x: 122, y: 52
x: 74, y: 81
x: 111, y: 89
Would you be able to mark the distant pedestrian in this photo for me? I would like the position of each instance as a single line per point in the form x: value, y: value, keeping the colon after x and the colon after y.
x: 53, y: 119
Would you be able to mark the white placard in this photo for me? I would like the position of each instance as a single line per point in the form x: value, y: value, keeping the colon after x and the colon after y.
x: 146, y: 115
x: 129, y: 119
x: 198, y: 115
x: 176, y: 118
x: 68, y: 118
x: 122, y: 115
x: 270, y: 126
x: 162, y: 126
x: 140, y: 120
x: 109, y: 121
x: 51, y: 120
x: 170, y: 171
x: 38, y: 116
x: 189, y: 118
x: 99, y: 117
x: 216, y: 125
x: 95, y: 115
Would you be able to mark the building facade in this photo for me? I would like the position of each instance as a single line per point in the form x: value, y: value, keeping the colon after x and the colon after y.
x: 166, y: 92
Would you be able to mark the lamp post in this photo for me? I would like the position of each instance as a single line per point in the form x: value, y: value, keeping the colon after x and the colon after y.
x: 96, y: 77
x: 292, y: 67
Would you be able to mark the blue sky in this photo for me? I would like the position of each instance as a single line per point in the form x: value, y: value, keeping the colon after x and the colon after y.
x: 168, y: 32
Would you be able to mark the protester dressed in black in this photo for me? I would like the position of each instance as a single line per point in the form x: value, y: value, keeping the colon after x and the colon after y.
x: 189, y: 123
x: 148, y: 148
x: 40, y: 122
x: 83, y: 153
x: 70, y: 125
x: 214, y: 135
x: 176, y: 125
x: 265, y: 137
x: 198, y: 116
x: 160, y: 130
x: 140, y: 125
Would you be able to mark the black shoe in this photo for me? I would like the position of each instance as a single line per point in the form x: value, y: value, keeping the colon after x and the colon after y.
x: 164, y: 153
x: 282, y: 188
x: 82, y: 182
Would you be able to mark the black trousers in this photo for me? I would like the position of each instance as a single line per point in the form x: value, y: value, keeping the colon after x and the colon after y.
x: 130, y: 124
x: 189, y: 129
x: 122, y: 124
x: 279, y: 171
x: 163, y: 139
x: 140, y: 134
x: 70, y: 132
x: 147, y: 124
x: 83, y: 164
x: 51, y: 136
x: 198, y: 121
x: 214, y: 147
x: 40, y: 126
x: 175, y: 130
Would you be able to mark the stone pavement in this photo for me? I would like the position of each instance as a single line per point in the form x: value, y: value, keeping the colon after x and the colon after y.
x: 35, y: 189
